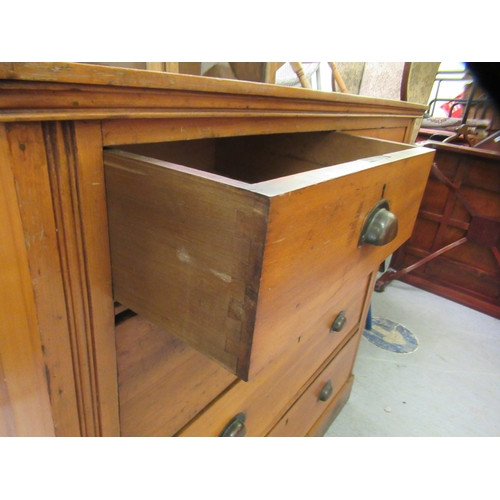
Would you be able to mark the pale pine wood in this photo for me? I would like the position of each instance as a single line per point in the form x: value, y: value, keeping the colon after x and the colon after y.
x: 299, y: 71
x: 170, y: 67
x: 312, y: 242
x: 155, y: 66
x: 158, y: 268
x: 397, y: 134
x: 135, y: 106
x: 208, y: 252
x: 308, y: 408
x: 25, y: 409
x: 30, y: 169
x: 117, y: 132
x: 118, y: 77
x: 271, y: 69
x: 159, y: 380
x: 7, y: 418
x: 96, y: 268
x: 266, y: 397
x: 320, y: 427
x: 29, y: 102
x: 58, y: 170
x: 337, y: 78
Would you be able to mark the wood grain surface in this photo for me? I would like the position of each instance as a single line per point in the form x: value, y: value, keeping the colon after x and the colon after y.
x: 263, y: 247
x: 308, y: 408
x: 162, y: 381
x: 470, y: 273
x: 24, y: 398
x: 266, y: 397
x: 59, y: 177
x: 59, y: 372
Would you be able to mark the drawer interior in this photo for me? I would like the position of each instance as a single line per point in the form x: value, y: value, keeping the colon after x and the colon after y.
x: 253, y: 159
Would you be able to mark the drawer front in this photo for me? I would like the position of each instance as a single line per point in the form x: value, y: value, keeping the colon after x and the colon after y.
x: 316, y: 399
x: 266, y: 397
x: 237, y: 267
x: 312, y: 244
x: 161, y: 381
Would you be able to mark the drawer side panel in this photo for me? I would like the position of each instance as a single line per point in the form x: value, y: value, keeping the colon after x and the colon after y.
x: 186, y: 254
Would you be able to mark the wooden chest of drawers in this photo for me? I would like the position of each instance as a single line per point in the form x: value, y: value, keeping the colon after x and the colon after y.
x: 249, y: 250
x: 277, y: 270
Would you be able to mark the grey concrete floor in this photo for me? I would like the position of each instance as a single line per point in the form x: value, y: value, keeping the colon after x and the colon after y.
x: 449, y: 386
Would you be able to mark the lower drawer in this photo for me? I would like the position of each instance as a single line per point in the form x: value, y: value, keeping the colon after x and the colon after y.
x: 264, y: 399
x: 315, y: 400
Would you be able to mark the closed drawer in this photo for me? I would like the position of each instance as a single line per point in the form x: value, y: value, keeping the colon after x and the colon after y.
x: 265, y: 398
x: 233, y: 244
x: 315, y: 400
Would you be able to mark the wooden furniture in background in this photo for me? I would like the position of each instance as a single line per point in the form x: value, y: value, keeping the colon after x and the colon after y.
x: 337, y: 78
x: 454, y: 250
x: 82, y: 375
x: 264, y: 72
x: 169, y: 67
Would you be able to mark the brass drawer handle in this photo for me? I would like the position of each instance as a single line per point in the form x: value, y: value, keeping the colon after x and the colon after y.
x: 326, y: 392
x: 235, y: 427
x: 339, y: 323
x: 381, y: 226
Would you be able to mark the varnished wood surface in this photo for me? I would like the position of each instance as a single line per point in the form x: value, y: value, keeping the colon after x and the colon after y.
x: 163, y: 383
x: 63, y: 212
x: 139, y: 130
x: 268, y: 395
x: 262, y: 158
x: 333, y: 409
x: 65, y: 232
x: 312, y: 243
x: 24, y: 397
x: 187, y: 240
x: 75, y: 73
x: 29, y: 160
x: 470, y: 273
x: 308, y: 408
x: 181, y: 242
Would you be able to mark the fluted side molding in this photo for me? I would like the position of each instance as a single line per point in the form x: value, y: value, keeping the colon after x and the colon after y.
x: 58, y: 169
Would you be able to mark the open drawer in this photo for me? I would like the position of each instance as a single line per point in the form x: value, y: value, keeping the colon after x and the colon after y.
x: 233, y: 244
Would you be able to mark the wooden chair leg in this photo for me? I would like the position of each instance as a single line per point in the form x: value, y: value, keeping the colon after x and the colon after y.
x: 299, y: 71
x: 337, y: 78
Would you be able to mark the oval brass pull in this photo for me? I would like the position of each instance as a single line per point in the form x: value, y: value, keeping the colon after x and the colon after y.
x: 326, y: 392
x: 235, y: 427
x: 339, y: 323
x: 381, y: 226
